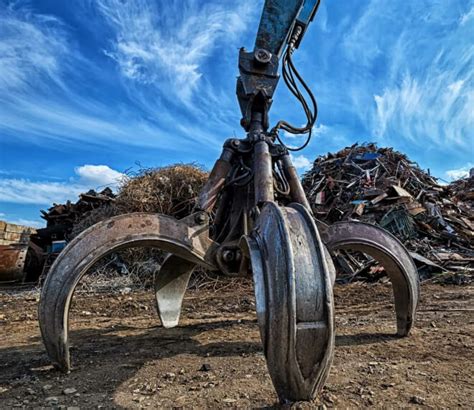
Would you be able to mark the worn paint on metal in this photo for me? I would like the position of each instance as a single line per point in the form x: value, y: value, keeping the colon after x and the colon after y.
x: 278, y: 16
x: 12, y: 262
x: 391, y: 254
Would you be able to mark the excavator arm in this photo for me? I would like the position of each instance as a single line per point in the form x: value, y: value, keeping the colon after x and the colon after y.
x: 280, y: 19
x: 283, y: 24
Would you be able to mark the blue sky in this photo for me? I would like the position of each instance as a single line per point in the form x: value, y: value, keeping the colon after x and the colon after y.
x: 90, y: 88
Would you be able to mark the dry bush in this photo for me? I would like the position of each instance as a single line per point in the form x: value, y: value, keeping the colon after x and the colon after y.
x: 171, y: 190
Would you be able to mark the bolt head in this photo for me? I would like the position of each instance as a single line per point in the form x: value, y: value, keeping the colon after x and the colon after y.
x: 201, y: 218
x: 228, y: 255
x: 262, y: 56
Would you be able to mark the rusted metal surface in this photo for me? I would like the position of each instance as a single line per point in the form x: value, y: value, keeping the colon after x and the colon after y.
x: 393, y: 256
x: 12, y: 262
x: 14, y: 240
x: 263, y: 173
x: 278, y: 17
x: 184, y: 238
x: 211, y: 190
x: 296, y: 189
x: 170, y: 286
x: 293, y: 298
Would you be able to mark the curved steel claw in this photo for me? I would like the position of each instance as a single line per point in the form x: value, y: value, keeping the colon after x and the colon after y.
x: 294, y: 300
x: 393, y: 256
x: 186, y: 238
x: 171, y: 283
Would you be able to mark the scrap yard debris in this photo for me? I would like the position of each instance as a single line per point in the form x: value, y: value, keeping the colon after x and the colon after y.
x: 171, y: 190
x: 61, y: 218
x: 362, y: 182
x: 382, y: 186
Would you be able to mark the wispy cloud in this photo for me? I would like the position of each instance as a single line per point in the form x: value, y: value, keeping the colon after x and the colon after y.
x: 463, y: 172
x: 301, y: 162
x: 31, y: 46
x: 466, y: 17
x: 26, y: 191
x: 48, y: 86
x: 432, y: 107
x: 39, y: 94
x: 423, y: 91
x: 163, y: 45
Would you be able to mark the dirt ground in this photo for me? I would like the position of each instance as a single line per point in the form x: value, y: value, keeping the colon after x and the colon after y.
x: 123, y: 358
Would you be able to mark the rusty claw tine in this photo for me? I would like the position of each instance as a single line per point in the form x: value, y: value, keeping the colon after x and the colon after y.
x: 294, y: 299
x: 393, y: 256
x: 170, y: 285
x: 131, y: 230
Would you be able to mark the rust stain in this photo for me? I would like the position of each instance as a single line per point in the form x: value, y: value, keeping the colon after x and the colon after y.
x: 12, y: 261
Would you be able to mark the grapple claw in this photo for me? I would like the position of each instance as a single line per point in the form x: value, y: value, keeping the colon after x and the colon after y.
x: 390, y: 252
x: 190, y: 242
x: 293, y: 299
x: 171, y: 283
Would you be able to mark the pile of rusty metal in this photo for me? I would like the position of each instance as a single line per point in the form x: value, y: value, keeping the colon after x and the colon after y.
x: 60, y: 218
x: 46, y: 243
x: 382, y: 186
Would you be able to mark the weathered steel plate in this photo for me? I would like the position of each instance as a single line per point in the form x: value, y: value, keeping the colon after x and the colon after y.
x: 294, y: 299
x: 171, y: 283
x: 184, y: 238
x: 393, y: 256
x: 12, y: 262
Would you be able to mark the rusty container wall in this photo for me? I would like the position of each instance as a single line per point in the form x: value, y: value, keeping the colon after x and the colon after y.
x: 12, y: 262
x: 14, y: 240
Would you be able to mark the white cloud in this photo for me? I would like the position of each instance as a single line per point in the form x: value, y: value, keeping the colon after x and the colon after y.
x: 432, y: 108
x: 44, y: 77
x: 25, y: 191
x: 31, y: 45
x: 423, y: 89
x: 97, y: 175
x: 320, y: 129
x: 459, y: 173
x: 165, y: 46
x: 38, y: 69
x: 301, y: 162
x: 466, y: 16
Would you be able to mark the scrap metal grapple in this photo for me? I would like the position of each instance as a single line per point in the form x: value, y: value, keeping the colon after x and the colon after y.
x: 252, y: 218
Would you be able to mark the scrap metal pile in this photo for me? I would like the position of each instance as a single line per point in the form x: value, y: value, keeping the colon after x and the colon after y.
x: 60, y: 218
x: 382, y: 186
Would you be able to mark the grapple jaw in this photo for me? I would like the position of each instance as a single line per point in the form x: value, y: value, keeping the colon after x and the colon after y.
x: 186, y: 239
x: 390, y: 253
x: 276, y: 241
x: 294, y: 301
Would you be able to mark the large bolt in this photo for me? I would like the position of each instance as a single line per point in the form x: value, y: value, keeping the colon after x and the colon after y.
x: 228, y: 255
x: 262, y: 56
x: 201, y: 218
